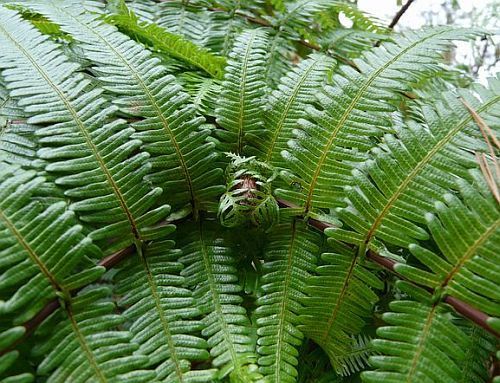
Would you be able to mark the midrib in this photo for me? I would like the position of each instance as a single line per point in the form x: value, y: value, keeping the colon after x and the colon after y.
x: 291, y: 99
x: 217, y: 305
x: 340, y: 300
x: 349, y: 109
x: 82, y: 129
x: 31, y: 253
x: 421, y: 344
x: 242, y: 93
x: 470, y: 252
x: 282, y: 313
x: 163, y: 320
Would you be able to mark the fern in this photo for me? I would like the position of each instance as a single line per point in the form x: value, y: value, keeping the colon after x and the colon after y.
x: 289, y: 258
x: 412, y: 345
x: 242, y: 98
x: 164, y: 315
x: 169, y: 43
x: 356, y: 111
x: 420, y: 160
x: 357, y: 229
x: 147, y: 92
x: 78, y: 138
x: 285, y: 107
x: 41, y: 247
x: 339, y: 299
x: 86, y: 345
x: 210, y: 269
x: 467, y: 268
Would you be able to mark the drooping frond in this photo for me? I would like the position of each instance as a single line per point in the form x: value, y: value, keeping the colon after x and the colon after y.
x: 163, y: 313
x: 39, y: 247
x: 85, y: 346
x: 355, y: 111
x: 241, y: 101
x: 211, y: 271
x: 412, y: 169
x: 168, y: 43
x: 468, y: 237
x: 289, y: 259
x: 286, y: 107
x: 420, y: 344
x: 96, y: 161
x: 169, y: 128
x: 339, y: 299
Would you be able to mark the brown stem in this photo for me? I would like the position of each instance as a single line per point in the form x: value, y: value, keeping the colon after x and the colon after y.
x: 400, y: 13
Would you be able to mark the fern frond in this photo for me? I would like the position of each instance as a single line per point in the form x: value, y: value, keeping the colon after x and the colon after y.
x: 170, y: 129
x: 339, y: 299
x: 241, y: 101
x: 354, y: 112
x: 39, y: 247
x: 468, y: 237
x: 420, y: 343
x: 286, y: 107
x: 289, y: 259
x: 107, y: 188
x: 85, y: 345
x: 163, y: 313
x: 356, y: 359
x: 165, y: 42
x: 211, y: 271
x: 412, y: 169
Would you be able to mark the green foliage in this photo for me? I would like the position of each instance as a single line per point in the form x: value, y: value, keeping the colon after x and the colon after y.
x: 354, y: 215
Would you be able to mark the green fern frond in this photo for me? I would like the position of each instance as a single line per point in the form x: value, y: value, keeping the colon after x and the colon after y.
x: 39, y: 248
x: 354, y: 112
x: 339, y: 299
x: 163, y: 313
x: 107, y: 190
x: 289, y: 259
x: 468, y: 237
x: 286, y: 106
x: 165, y: 42
x: 241, y: 101
x: 86, y: 346
x: 424, y: 163
x: 420, y: 344
x: 169, y: 128
x: 211, y: 271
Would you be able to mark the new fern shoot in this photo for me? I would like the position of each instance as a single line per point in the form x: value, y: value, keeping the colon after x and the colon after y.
x: 243, y: 191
